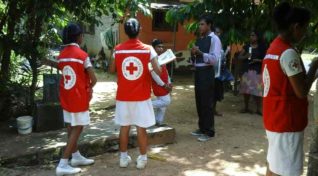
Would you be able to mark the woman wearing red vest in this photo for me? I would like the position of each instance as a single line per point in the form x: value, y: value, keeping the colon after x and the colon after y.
x: 161, y: 87
x: 286, y: 86
x: 76, y: 87
x: 133, y: 103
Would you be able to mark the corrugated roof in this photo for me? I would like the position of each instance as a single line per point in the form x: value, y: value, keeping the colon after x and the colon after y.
x: 163, y: 5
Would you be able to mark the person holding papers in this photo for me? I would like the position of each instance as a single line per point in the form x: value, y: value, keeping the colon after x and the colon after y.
x: 205, y: 54
x: 161, y: 86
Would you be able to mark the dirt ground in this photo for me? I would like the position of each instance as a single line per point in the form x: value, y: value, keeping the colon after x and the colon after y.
x: 238, y: 149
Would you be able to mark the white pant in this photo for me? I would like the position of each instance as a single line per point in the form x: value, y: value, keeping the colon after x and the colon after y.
x: 139, y: 113
x: 285, y: 154
x: 76, y: 119
x: 160, y: 106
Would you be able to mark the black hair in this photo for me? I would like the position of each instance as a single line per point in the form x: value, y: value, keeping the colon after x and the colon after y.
x: 208, y: 20
x: 156, y: 42
x: 132, y: 27
x: 258, y: 34
x: 71, y: 33
x: 285, y: 15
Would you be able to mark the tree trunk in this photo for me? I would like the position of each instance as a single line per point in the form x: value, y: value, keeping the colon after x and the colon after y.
x: 33, y: 84
x: 8, y: 43
x: 5, y: 66
x: 36, y: 28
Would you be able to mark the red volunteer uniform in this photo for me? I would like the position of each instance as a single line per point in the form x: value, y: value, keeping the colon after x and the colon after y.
x: 157, y: 89
x: 134, y: 79
x: 283, y: 111
x: 74, y: 85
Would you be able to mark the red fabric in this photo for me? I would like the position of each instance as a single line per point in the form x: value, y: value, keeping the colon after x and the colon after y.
x: 283, y: 111
x: 74, y: 85
x: 139, y: 87
x: 157, y: 89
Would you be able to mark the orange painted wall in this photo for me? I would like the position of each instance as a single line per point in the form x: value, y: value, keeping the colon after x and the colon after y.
x: 147, y: 35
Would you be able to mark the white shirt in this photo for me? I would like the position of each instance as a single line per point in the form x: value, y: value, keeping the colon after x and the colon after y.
x: 215, y: 50
x: 290, y: 62
x: 157, y: 78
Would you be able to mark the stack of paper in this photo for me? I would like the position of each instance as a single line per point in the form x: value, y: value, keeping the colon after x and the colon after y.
x: 166, y: 57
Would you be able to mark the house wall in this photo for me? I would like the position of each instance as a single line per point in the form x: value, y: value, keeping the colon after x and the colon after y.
x: 93, y: 41
x: 147, y: 35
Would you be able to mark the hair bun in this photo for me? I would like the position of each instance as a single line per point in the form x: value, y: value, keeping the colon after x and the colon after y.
x: 132, y: 27
x: 281, y: 12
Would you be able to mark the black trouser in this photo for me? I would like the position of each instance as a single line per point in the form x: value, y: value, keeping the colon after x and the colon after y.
x: 204, y: 97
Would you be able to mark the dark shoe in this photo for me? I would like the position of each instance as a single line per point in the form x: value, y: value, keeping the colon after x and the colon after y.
x: 244, y: 111
x: 259, y: 113
x: 196, y: 133
x: 218, y: 114
x: 204, y: 138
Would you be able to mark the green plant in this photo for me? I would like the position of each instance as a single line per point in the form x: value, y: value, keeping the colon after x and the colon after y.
x: 109, y: 38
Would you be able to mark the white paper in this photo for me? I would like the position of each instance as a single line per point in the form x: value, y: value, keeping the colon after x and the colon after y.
x: 166, y: 57
x: 217, y: 68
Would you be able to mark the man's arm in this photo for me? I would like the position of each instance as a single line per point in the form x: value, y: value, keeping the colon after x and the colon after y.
x: 89, y: 68
x: 154, y: 61
x: 155, y: 65
x: 157, y: 79
x: 50, y: 62
x: 214, y: 52
x: 293, y: 67
x: 92, y: 76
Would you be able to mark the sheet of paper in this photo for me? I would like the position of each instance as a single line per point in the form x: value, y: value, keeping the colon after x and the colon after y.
x: 166, y: 57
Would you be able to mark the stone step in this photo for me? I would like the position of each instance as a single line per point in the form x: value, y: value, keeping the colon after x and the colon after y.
x: 98, y: 138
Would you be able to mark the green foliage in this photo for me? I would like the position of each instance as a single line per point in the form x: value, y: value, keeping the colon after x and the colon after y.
x: 237, y: 18
x: 28, y: 28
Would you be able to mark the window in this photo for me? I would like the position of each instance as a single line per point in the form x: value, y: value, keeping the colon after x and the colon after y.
x: 159, y: 23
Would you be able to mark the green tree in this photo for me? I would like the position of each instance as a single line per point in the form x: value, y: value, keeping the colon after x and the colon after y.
x: 27, y: 28
x: 238, y: 17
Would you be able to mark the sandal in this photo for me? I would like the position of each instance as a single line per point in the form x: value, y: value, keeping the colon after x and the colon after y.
x: 218, y: 114
x: 259, y: 113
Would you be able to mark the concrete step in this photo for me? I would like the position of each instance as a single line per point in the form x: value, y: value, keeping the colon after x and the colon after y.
x: 98, y: 138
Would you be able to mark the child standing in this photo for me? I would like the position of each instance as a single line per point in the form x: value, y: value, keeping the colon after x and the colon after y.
x: 161, y: 86
x: 133, y: 103
x: 76, y: 89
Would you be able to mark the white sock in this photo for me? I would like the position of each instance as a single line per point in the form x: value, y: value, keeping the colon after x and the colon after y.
x: 123, y: 154
x: 63, y: 162
x: 143, y: 157
x: 76, y: 155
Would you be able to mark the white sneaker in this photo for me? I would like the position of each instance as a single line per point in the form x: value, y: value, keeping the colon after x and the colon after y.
x: 141, y: 163
x: 67, y: 170
x: 124, y: 162
x: 81, y: 161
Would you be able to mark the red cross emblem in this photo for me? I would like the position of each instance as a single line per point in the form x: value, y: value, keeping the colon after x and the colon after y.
x: 295, y: 65
x: 67, y: 78
x: 131, y: 68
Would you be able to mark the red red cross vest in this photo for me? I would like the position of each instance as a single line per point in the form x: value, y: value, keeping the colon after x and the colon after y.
x: 133, y: 76
x: 74, y: 85
x: 283, y: 111
x: 157, y: 89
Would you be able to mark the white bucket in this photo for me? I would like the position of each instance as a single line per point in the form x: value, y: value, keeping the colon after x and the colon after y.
x: 25, y: 124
